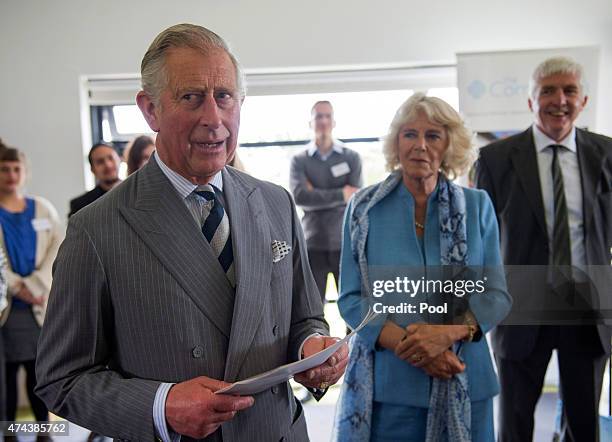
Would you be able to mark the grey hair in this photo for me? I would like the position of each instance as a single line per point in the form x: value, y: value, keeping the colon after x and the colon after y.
x: 184, y: 35
x: 553, y: 66
x: 460, y: 154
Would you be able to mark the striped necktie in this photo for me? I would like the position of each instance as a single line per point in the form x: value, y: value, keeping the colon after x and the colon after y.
x: 216, y: 230
x: 561, y: 248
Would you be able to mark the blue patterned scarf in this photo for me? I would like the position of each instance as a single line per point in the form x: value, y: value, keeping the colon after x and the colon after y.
x: 449, y: 414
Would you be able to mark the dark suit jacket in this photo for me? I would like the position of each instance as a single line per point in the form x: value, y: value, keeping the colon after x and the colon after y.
x: 85, y: 199
x: 508, y: 170
x: 139, y: 298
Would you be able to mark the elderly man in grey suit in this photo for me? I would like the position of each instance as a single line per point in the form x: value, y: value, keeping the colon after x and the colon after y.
x: 187, y: 276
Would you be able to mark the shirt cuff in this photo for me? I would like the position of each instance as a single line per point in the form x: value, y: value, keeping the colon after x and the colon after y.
x: 159, y: 415
x: 303, y: 342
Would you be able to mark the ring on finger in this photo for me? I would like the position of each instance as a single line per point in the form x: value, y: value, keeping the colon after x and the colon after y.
x: 323, y: 385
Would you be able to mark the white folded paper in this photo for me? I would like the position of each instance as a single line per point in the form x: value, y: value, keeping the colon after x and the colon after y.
x: 263, y: 381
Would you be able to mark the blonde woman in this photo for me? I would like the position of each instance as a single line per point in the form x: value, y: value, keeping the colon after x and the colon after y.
x: 408, y: 380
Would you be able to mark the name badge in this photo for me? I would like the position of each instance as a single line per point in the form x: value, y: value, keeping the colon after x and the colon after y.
x: 340, y: 169
x: 40, y: 224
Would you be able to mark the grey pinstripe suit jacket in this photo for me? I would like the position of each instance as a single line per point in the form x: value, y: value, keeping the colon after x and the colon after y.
x: 138, y: 298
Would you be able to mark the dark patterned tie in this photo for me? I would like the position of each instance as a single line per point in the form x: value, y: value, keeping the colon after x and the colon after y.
x: 216, y: 230
x: 562, y: 254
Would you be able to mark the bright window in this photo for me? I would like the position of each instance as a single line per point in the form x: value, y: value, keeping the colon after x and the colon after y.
x: 287, y: 117
x: 273, y: 128
x: 129, y: 120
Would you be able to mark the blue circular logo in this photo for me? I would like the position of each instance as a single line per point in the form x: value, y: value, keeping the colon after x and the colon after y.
x: 476, y: 89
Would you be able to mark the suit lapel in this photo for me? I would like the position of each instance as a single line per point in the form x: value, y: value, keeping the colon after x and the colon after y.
x: 525, y: 162
x: 252, y: 247
x: 590, y: 163
x: 163, y: 222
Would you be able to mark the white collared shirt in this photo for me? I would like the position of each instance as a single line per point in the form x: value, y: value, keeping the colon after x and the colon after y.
x: 185, y: 188
x: 572, y: 185
x: 312, y: 149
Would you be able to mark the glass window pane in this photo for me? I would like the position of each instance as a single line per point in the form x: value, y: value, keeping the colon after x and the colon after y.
x: 129, y: 120
x: 287, y: 117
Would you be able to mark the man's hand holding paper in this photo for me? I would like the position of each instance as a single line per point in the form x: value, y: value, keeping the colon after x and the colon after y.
x: 193, y: 409
x: 329, y: 372
x: 323, y: 362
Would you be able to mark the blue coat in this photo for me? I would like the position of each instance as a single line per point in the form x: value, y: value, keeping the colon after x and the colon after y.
x: 392, y: 241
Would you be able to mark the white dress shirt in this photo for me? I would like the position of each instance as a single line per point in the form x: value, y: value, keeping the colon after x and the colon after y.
x: 572, y: 186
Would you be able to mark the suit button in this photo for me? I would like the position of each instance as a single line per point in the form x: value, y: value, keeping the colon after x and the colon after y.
x: 197, y: 351
x: 275, y: 330
x: 275, y: 389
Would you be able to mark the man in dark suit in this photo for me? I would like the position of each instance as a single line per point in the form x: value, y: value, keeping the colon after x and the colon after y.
x: 104, y: 163
x: 186, y: 277
x: 550, y: 186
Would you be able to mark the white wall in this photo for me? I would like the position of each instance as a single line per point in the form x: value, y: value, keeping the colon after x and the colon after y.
x: 45, y: 46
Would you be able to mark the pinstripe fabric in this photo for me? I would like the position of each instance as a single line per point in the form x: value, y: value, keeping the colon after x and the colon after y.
x: 136, y: 300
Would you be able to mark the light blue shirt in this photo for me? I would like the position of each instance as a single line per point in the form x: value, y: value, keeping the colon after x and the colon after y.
x: 195, y: 204
x: 312, y: 149
x: 572, y: 185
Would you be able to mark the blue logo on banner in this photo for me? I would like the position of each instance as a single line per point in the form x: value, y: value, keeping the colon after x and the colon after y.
x: 508, y: 87
x: 476, y: 89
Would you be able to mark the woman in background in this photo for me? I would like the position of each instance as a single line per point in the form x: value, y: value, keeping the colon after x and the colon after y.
x: 413, y: 378
x: 3, y: 304
x: 30, y: 237
x: 138, y: 153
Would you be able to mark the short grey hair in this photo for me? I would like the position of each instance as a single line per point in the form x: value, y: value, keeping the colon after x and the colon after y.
x: 554, y: 66
x: 460, y: 154
x: 184, y: 35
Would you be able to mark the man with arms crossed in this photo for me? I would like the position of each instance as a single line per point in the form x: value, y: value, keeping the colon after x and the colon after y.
x: 323, y: 178
x: 187, y: 276
x: 550, y: 186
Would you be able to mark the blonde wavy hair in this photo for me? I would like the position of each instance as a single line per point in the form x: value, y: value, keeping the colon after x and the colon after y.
x: 460, y: 154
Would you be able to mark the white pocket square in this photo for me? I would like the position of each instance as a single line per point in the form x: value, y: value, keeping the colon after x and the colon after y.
x: 280, y: 249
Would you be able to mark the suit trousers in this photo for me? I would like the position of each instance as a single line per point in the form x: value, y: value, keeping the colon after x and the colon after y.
x: 581, y: 370
x: 39, y: 409
x: 323, y: 262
